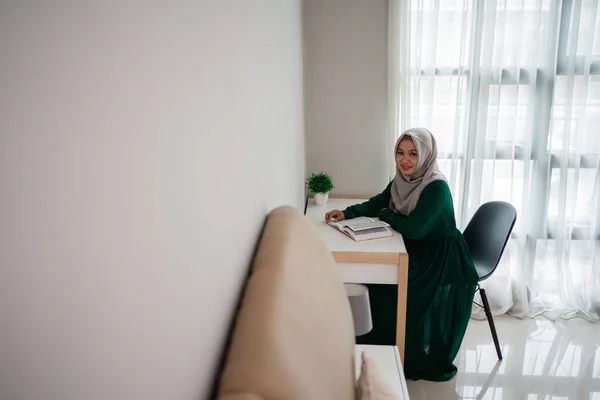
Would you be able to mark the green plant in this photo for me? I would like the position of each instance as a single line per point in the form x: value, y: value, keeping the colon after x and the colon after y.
x: 320, y: 183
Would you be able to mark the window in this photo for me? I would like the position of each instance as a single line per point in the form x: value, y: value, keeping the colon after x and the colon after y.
x: 511, y: 90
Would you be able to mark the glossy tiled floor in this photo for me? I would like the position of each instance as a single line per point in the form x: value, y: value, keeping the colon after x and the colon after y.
x: 543, y: 360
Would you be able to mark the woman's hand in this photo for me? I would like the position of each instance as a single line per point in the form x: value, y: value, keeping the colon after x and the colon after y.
x: 335, y: 214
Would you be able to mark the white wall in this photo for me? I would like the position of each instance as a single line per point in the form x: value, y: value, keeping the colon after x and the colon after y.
x: 141, y: 145
x: 345, y: 48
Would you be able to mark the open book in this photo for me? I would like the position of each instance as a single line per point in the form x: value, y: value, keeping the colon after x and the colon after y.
x: 363, y: 228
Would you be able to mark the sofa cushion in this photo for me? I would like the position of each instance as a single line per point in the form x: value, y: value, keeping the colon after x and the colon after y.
x: 371, y: 384
x: 294, y: 336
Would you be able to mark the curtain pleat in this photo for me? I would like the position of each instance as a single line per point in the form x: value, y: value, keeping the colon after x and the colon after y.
x: 511, y: 90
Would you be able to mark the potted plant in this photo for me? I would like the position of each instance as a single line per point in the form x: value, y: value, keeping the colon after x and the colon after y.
x: 320, y: 184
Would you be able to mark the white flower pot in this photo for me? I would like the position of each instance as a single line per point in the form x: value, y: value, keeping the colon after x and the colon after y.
x: 321, y: 198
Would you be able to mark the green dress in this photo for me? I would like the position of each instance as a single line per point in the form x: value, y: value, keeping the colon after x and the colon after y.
x: 441, y: 283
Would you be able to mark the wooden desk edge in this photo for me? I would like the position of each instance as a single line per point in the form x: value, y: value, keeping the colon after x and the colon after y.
x: 401, y: 309
x: 359, y: 257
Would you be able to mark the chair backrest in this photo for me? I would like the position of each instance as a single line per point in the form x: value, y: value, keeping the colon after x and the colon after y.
x: 487, y: 235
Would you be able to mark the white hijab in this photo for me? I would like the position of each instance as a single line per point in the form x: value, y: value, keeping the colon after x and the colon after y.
x: 406, y: 190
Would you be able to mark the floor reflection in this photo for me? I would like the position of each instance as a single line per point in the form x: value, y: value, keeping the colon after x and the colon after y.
x: 543, y: 360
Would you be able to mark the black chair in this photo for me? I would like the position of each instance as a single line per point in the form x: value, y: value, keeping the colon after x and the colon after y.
x: 487, y: 235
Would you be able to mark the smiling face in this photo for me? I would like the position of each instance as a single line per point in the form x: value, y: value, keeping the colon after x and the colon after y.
x: 406, y: 157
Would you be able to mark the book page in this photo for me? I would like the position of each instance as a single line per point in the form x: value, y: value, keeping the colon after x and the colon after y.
x: 362, y: 223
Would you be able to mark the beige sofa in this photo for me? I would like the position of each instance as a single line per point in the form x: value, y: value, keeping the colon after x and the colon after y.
x: 294, y: 336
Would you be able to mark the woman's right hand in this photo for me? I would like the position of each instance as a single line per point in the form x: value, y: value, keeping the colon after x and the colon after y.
x: 335, y: 214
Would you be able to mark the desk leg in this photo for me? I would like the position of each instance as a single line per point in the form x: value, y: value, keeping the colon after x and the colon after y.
x: 402, y: 290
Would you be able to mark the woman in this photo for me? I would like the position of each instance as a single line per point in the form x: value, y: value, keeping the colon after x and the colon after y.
x: 441, y: 277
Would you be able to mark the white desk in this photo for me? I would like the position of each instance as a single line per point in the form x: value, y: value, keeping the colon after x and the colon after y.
x: 372, y: 261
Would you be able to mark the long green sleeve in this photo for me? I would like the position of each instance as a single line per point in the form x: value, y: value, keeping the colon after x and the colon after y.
x: 371, y: 207
x: 433, y: 203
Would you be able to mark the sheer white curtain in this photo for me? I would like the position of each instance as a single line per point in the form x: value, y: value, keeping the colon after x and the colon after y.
x: 511, y: 90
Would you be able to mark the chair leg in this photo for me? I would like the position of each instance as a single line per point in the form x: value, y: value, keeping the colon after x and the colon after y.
x: 488, y: 314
